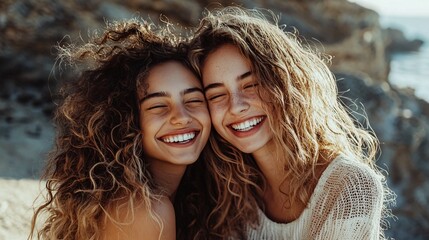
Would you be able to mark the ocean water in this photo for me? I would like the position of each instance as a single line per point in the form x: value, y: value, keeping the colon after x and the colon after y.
x: 411, y: 69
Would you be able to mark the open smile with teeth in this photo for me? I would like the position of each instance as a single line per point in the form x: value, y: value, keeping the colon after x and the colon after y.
x: 179, y: 138
x: 247, y: 125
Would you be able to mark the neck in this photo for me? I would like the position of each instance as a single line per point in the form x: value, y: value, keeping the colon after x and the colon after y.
x: 271, y: 165
x: 167, y: 176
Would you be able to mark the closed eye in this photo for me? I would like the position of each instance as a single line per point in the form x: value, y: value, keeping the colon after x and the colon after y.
x: 156, y: 107
x: 251, y: 85
x: 195, y: 101
x: 211, y: 98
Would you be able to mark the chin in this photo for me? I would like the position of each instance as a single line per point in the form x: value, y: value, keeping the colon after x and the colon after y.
x: 185, y: 161
x: 248, y: 149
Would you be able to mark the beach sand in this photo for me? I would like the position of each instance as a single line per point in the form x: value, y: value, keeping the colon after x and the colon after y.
x: 24, y: 143
x: 16, y: 207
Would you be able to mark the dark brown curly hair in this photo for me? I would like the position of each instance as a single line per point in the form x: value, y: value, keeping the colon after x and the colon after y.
x: 97, y: 161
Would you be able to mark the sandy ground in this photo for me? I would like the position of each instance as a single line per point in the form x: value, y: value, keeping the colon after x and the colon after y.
x: 24, y: 143
x: 16, y: 207
x: 26, y: 135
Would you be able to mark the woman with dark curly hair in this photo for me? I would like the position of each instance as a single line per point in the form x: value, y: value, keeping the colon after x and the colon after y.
x: 127, y: 128
x: 294, y: 164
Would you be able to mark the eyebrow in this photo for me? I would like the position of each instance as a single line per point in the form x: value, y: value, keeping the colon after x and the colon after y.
x: 244, y: 75
x: 154, y: 95
x: 191, y: 90
x: 165, y: 94
x: 216, y: 85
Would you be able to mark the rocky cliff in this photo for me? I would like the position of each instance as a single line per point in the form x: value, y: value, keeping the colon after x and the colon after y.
x: 29, y: 30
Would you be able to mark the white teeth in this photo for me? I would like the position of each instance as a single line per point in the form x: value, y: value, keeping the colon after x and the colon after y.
x: 246, y: 125
x: 179, y: 138
x: 186, y: 137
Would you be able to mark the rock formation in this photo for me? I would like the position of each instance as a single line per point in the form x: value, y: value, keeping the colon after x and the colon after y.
x: 30, y: 30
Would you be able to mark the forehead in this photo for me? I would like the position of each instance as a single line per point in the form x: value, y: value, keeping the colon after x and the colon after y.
x: 224, y: 63
x: 168, y: 77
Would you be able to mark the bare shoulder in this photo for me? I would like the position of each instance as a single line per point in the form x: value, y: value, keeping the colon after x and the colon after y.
x: 128, y: 221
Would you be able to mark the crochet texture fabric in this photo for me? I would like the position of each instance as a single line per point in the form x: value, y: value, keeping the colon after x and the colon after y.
x: 347, y: 203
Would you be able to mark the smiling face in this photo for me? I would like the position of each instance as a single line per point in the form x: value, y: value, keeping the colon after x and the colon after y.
x: 235, y: 106
x: 174, y: 119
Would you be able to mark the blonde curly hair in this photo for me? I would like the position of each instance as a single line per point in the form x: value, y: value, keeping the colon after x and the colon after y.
x: 310, y: 124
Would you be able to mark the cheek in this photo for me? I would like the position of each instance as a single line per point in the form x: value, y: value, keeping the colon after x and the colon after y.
x: 204, y: 118
x: 258, y: 103
x: 145, y: 129
x: 141, y: 122
x: 217, y: 120
x: 264, y: 100
x: 149, y: 124
x: 262, y: 105
x: 200, y: 113
x: 219, y: 107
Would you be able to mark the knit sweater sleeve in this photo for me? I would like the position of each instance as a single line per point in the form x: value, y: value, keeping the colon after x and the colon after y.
x: 350, y: 204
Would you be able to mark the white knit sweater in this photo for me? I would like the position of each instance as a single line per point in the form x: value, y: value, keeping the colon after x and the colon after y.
x: 347, y: 204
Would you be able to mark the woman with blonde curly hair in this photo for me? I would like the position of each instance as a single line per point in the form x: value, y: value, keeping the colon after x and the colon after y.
x: 294, y: 164
x: 128, y: 126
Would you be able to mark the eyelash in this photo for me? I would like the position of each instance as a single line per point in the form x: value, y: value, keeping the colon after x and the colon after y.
x: 195, y: 101
x: 157, y: 106
x: 216, y: 96
x: 164, y: 106
x: 246, y: 87
x: 252, y: 85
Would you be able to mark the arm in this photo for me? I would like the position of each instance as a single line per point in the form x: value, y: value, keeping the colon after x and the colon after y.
x: 142, y: 225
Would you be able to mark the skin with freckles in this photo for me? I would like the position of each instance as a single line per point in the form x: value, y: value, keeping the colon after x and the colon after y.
x: 235, y: 107
x: 238, y: 116
x: 279, y: 123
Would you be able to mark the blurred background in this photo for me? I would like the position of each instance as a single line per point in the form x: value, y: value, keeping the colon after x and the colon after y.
x: 380, y: 57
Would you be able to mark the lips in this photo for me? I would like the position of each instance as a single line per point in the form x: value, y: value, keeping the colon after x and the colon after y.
x: 248, y: 124
x: 179, y: 138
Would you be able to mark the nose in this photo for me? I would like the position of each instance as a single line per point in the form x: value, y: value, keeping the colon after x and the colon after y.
x: 180, y: 116
x: 238, y: 103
